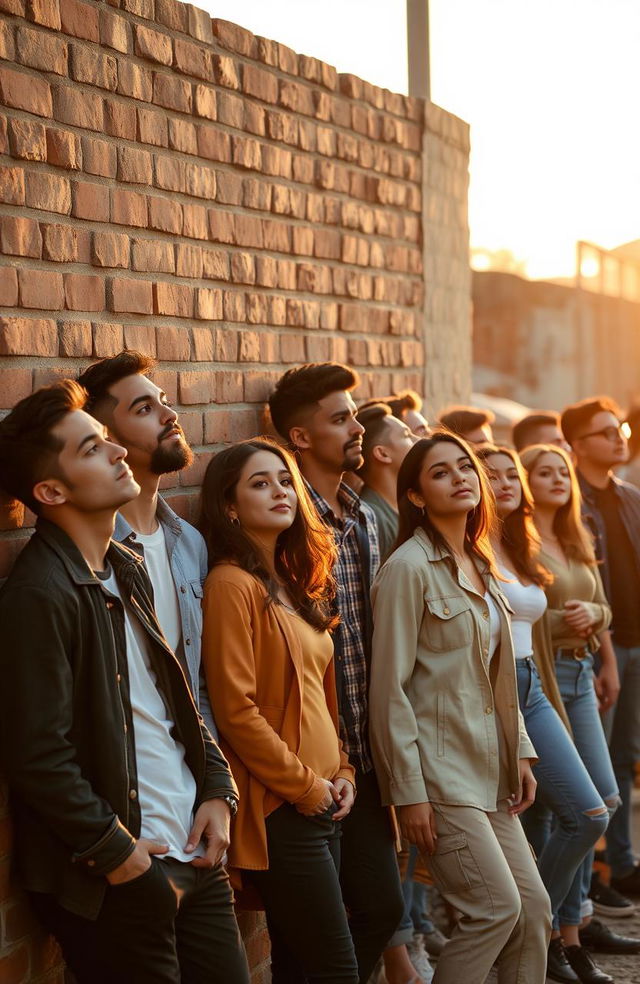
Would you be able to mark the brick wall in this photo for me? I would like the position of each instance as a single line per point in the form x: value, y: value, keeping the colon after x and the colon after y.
x: 172, y: 183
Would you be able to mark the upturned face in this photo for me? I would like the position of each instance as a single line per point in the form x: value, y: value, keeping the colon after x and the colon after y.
x: 332, y: 434
x: 448, y: 482
x: 504, y: 480
x: 264, y: 501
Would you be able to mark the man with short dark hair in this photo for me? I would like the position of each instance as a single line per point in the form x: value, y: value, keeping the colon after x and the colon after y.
x: 312, y: 409
x: 469, y: 423
x: 407, y: 407
x: 541, y: 427
x: 611, y: 509
x: 138, y: 416
x: 122, y: 800
x: 385, y: 443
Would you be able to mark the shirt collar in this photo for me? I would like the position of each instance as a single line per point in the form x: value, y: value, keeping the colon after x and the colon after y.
x: 166, y: 517
x: 346, y: 496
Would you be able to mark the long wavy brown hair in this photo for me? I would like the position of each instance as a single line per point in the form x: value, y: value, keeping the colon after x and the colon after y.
x: 573, y: 535
x: 481, y: 520
x: 518, y: 533
x: 305, y: 552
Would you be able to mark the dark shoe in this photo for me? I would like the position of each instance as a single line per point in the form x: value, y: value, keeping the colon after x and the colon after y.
x: 630, y: 884
x: 608, y: 902
x: 585, y: 966
x: 558, y: 967
x: 596, y: 936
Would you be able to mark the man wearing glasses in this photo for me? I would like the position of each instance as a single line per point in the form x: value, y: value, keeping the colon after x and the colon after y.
x: 611, y: 509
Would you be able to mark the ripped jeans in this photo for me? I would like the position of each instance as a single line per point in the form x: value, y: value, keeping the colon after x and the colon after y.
x: 575, y: 781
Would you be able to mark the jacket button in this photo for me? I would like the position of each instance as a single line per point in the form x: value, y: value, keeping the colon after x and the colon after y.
x: 485, y: 614
x: 488, y: 710
x: 91, y: 863
x: 125, y: 729
x: 187, y: 642
x: 445, y: 611
x: 132, y: 794
x: 183, y: 590
x: 118, y: 678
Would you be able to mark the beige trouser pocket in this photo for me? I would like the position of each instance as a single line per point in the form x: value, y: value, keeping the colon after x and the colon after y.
x: 453, y: 866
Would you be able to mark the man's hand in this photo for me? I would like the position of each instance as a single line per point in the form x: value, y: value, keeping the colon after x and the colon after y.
x: 213, y: 823
x: 418, y: 826
x: 137, y: 863
x: 526, y: 793
x: 607, y: 686
x: 344, y: 795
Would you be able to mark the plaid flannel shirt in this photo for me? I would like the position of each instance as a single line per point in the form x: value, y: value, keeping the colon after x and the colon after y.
x: 352, y: 635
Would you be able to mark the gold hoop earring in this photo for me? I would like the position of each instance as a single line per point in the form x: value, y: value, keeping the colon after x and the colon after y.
x: 235, y: 521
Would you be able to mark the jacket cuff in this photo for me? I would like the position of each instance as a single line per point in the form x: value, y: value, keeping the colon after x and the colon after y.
x: 218, y: 784
x: 406, y: 792
x: 526, y: 749
x: 110, y: 851
x: 313, y: 797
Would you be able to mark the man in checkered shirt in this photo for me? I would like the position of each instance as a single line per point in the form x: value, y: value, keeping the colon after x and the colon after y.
x: 312, y: 409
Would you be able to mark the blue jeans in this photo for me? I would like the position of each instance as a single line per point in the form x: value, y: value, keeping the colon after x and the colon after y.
x: 622, y: 727
x: 575, y: 680
x: 564, y: 786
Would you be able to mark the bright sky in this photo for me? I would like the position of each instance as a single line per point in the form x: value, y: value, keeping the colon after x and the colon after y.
x: 550, y: 88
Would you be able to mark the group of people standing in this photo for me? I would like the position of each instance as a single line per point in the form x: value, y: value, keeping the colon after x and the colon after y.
x: 261, y: 706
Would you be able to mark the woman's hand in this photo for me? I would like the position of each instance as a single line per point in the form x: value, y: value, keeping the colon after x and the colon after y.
x: 344, y: 796
x: 418, y: 826
x: 578, y: 617
x: 607, y: 686
x: 328, y: 797
x: 526, y: 793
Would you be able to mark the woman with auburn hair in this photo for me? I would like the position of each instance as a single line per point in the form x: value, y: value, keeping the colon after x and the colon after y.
x: 577, y: 612
x: 449, y: 743
x: 564, y: 784
x: 268, y: 659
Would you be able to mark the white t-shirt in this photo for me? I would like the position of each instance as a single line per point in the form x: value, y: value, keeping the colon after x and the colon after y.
x: 156, y: 559
x: 166, y: 786
x: 494, y: 625
x: 528, y: 602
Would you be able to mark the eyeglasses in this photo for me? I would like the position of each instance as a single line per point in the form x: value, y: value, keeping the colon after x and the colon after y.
x: 612, y: 434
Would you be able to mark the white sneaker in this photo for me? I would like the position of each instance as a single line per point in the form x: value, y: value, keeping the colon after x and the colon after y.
x: 419, y: 959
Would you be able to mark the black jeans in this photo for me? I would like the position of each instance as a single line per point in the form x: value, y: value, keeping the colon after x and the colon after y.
x: 310, y: 938
x: 369, y: 875
x: 174, y: 924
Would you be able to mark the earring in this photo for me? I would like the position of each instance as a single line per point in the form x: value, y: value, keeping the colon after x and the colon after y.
x: 235, y: 521
x: 423, y: 510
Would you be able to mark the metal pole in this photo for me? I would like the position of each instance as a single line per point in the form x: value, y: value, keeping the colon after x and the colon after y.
x: 418, y: 48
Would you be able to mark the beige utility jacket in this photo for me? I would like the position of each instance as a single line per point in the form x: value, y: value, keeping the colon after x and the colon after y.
x: 434, y: 698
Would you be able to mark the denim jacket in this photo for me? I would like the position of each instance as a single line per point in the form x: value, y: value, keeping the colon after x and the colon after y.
x: 629, y: 498
x: 188, y: 559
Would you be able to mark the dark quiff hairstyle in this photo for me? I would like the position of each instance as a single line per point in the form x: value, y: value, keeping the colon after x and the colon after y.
x: 522, y: 431
x: 305, y: 553
x: 480, y: 521
x: 299, y: 391
x: 99, y: 377
x: 574, y: 537
x: 461, y: 420
x: 576, y: 418
x: 28, y: 448
x: 403, y: 401
x: 373, y: 418
x: 518, y: 532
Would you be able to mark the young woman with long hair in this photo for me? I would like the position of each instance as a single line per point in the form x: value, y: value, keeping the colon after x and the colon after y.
x: 564, y: 785
x: 577, y: 612
x: 268, y: 659
x: 449, y: 742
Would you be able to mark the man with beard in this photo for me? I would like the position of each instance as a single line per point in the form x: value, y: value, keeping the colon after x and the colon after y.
x: 312, y: 409
x: 138, y: 416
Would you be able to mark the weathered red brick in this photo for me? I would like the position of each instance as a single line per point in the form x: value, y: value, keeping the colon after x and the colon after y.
x: 234, y: 37
x: 93, y: 67
x: 84, y: 292
x: 260, y: 83
x: 152, y: 255
x: 131, y: 296
x: 20, y: 236
x: 171, y: 93
x: 215, y: 264
x: 197, y: 387
x: 194, y: 222
x: 128, y: 207
x: 153, y: 127
x: 41, y: 289
x: 183, y: 136
x: 115, y: 31
x: 44, y: 12
x: 48, y: 192
x: 59, y: 243
x: 173, y: 299
x: 205, y: 103
x: 247, y: 153
x: 221, y: 226
x: 90, y: 201
x: 27, y: 92
x: 134, y: 166
x: 214, y: 144
x: 200, y: 181
x: 209, y: 305
x: 134, y: 80
x: 172, y: 344
x: 80, y: 20
x: 40, y: 50
x: 173, y: 14
x: 27, y: 140
x: 142, y: 338
x: 108, y: 339
x: 152, y: 45
x: 189, y: 261
x: 12, y: 186
x: 63, y: 149
x: 27, y: 336
x: 120, y: 119
x: 15, y: 384
x: 75, y: 339
x: 165, y: 215
x: 230, y: 188
x: 99, y: 157
x: 191, y: 59
x: 8, y: 286
x: 81, y: 108
x: 110, y: 249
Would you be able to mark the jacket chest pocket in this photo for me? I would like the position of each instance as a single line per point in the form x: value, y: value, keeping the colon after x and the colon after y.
x: 449, y: 623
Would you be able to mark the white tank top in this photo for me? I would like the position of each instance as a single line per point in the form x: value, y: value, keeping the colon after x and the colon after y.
x: 528, y: 602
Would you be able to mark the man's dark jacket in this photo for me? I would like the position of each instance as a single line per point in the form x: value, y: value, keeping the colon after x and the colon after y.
x: 629, y: 500
x: 66, y: 725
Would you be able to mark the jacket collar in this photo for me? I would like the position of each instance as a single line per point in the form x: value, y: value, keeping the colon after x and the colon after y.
x: 433, y: 552
x: 75, y: 564
x: 589, y: 491
x: 166, y: 517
